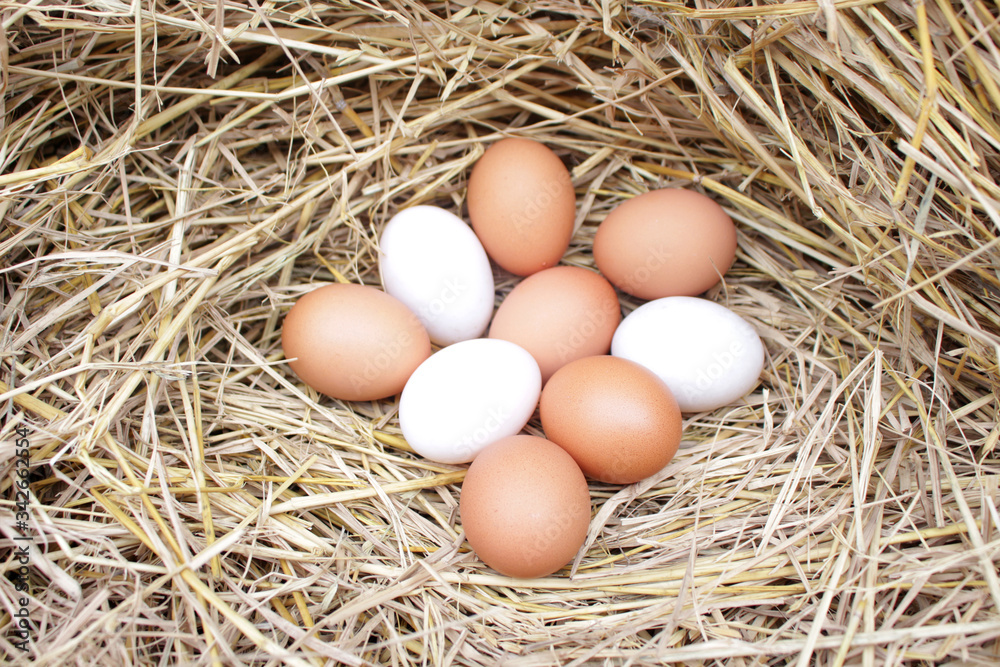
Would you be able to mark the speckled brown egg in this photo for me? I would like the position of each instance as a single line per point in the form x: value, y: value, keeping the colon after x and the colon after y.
x: 617, y: 419
x: 353, y: 342
x: 669, y: 242
x: 525, y: 506
x: 559, y: 315
x: 522, y: 205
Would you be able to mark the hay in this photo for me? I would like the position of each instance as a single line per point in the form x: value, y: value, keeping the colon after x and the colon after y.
x: 174, y: 175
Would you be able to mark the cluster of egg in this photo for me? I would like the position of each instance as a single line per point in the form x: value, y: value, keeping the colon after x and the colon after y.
x: 525, y: 504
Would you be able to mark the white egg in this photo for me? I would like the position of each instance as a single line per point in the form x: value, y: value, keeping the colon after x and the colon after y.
x: 708, y: 355
x: 433, y: 262
x: 467, y: 396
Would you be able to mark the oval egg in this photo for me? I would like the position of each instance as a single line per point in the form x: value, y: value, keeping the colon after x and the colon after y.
x: 559, y: 315
x: 522, y: 205
x: 618, y: 421
x: 353, y: 342
x: 665, y: 242
x: 466, y: 396
x: 525, y: 506
x: 433, y: 262
x: 708, y: 355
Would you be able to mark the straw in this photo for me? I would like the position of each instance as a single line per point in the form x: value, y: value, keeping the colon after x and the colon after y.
x: 174, y: 175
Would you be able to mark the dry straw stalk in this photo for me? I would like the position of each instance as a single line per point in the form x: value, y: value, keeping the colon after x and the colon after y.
x: 174, y: 175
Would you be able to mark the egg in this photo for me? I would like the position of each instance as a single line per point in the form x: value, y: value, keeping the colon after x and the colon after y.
x: 522, y: 205
x: 466, y: 396
x: 433, y: 262
x: 618, y: 420
x: 559, y: 315
x: 708, y: 355
x: 525, y: 506
x: 667, y: 242
x: 353, y: 342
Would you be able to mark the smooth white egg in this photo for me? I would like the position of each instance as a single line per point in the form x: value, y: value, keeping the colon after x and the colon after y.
x: 433, y: 262
x: 708, y: 355
x: 467, y: 396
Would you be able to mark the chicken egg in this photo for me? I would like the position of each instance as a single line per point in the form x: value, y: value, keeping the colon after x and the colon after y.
x: 665, y: 242
x: 522, y: 205
x: 353, y: 342
x: 525, y: 506
x: 432, y: 261
x: 708, y: 355
x: 466, y: 396
x: 559, y: 315
x: 617, y: 419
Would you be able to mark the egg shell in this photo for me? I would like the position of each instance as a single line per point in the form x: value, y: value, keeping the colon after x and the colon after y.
x: 433, y: 262
x: 466, y: 396
x: 522, y: 205
x: 618, y: 421
x: 665, y: 242
x: 525, y: 506
x: 559, y: 315
x: 353, y: 342
x: 708, y: 355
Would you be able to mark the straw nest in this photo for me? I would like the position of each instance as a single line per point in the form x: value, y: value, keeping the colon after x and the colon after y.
x: 175, y: 175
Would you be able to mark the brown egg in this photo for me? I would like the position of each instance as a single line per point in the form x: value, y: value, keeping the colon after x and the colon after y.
x: 617, y: 419
x: 669, y: 242
x: 522, y: 205
x: 525, y: 506
x: 559, y: 315
x: 353, y: 342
